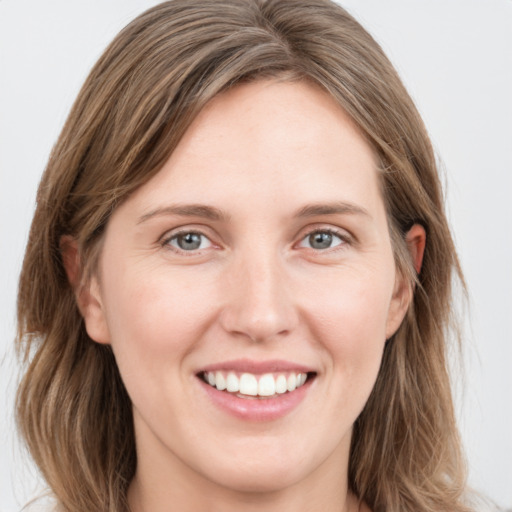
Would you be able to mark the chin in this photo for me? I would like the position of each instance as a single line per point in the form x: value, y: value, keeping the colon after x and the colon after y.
x: 275, y: 469
x: 262, y: 481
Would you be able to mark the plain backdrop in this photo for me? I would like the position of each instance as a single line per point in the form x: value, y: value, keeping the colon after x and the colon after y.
x: 455, y: 57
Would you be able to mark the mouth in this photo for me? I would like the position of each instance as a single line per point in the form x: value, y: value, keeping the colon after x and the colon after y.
x: 256, y: 391
x: 253, y: 386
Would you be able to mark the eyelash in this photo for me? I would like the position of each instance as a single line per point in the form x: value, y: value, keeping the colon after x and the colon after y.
x: 342, y: 236
x: 166, y: 241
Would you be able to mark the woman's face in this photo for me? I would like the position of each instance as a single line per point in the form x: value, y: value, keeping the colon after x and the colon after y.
x: 258, y: 253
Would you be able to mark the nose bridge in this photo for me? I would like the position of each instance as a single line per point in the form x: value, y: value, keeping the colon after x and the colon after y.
x: 259, y: 305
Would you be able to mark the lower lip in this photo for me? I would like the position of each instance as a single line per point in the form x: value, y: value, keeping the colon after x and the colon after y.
x: 257, y: 409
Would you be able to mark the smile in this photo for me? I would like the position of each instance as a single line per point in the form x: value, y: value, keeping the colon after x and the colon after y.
x: 256, y: 391
x: 249, y: 385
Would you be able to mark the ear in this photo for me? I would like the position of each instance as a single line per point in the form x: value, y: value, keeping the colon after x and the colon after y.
x: 87, y: 294
x: 404, y: 290
x: 416, y: 238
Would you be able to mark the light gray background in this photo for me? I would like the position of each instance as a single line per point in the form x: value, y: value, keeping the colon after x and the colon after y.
x: 455, y: 57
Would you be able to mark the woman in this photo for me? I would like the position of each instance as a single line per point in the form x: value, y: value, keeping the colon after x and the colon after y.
x: 237, y: 284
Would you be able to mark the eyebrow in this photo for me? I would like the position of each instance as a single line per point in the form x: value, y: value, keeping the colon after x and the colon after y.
x: 212, y: 213
x: 336, y: 208
x: 186, y: 210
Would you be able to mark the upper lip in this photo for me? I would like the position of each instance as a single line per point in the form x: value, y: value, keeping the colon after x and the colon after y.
x: 257, y: 367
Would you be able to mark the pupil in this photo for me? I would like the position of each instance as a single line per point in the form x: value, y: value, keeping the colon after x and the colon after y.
x: 189, y: 241
x: 320, y: 240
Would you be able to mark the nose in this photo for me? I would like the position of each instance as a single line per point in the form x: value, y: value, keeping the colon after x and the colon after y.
x: 258, y: 304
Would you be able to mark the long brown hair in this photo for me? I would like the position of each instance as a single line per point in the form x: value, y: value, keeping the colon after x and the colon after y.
x: 132, y: 111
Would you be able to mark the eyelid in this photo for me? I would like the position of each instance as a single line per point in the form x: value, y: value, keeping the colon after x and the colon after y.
x: 164, y: 240
x: 342, y: 234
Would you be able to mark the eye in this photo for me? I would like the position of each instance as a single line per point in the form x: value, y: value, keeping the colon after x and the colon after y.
x: 189, y: 241
x: 321, y: 240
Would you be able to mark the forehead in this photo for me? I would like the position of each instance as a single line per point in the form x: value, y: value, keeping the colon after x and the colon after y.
x: 269, y: 119
x: 268, y: 139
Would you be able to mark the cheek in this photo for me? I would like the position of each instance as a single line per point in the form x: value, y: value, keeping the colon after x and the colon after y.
x: 354, y: 304
x: 153, y: 312
x: 350, y: 320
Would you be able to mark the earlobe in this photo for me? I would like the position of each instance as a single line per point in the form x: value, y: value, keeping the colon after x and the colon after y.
x: 87, y: 294
x: 404, y: 290
x: 402, y: 296
x: 92, y: 309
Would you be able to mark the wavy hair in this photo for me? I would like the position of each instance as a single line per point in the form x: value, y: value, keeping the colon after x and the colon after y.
x: 132, y: 111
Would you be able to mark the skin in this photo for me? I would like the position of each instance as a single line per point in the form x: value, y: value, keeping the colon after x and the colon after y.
x: 256, y: 289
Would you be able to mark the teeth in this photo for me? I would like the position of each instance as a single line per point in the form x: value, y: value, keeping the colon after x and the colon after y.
x: 267, y: 385
x: 232, y: 383
x: 252, y: 385
x: 220, y: 381
x: 248, y: 384
x: 281, y: 384
x: 292, y: 382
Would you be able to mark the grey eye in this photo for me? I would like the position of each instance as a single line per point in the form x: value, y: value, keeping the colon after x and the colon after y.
x: 189, y: 241
x: 319, y: 240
